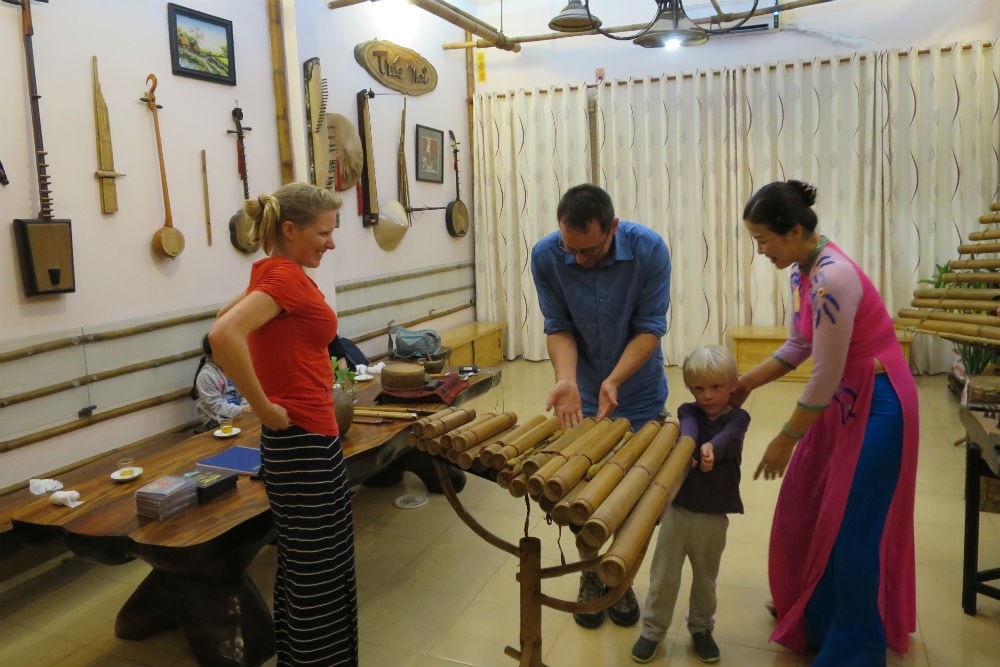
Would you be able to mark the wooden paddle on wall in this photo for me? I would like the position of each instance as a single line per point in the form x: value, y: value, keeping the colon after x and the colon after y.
x: 167, y: 240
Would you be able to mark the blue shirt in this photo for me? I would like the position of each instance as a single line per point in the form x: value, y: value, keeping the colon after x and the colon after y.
x: 604, y: 307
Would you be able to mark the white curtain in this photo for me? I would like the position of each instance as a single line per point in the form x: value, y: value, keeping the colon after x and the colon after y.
x: 903, y: 148
x: 530, y: 147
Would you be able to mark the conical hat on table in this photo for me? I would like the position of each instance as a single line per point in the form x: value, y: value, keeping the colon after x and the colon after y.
x: 392, y: 225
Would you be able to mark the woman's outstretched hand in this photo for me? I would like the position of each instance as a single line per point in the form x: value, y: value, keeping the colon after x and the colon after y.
x: 776, y: 456
x: 739, y: 395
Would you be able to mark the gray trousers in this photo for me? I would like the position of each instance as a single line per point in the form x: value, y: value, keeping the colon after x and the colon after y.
x: 700, y: 538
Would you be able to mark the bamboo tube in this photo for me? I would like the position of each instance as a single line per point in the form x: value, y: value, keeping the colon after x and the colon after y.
x: 954, y: 304
x: 412, y: 439
x: 561, y: 510
x: 422, y: 444
x: 989, y: 235
x: 504, y: 477
x: 435, y: 426
x: 519, y: 485
x: 987, y: 320
x: 546, y: 505
x: 434, y: 446
x: 622, y: 558
x: 536, y: 461
x: 495, y: 447
x: 605, y: 481
x: 606, y: 518
x: 938, y: 326
x: 974, y: 293
x: 596, y: 468
x: 995, y: 206
x: 448, y: 436
x: 373, y: 412
x: 974, y: 264
x: 989, y: 218
x: 536, y: 481
x: 576, y: 466
x: 469, y: 458
x: 466, y: 437
x: 974, y: 277
x: 978, y: 248
x: 514, y: 447
x: 451, y: 455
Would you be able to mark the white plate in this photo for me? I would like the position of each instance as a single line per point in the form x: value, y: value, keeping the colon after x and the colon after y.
x: 410, y: 501
x: 363, y: 378
x: 126, y: 474
x: 219, y: 434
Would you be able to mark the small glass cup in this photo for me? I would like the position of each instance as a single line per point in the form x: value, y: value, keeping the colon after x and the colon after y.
x: 125, y: 462
x: 226, y: 426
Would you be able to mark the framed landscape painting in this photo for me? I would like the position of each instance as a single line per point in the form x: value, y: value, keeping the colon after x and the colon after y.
x: 201, y: 45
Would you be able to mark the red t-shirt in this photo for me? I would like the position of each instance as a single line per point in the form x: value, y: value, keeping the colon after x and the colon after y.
x: 289, y: 353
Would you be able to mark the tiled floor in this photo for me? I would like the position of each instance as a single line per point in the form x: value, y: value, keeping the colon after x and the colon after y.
x: 434, y: 594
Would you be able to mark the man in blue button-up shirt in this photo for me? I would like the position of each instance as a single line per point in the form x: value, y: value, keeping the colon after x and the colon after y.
x: 604, y: 289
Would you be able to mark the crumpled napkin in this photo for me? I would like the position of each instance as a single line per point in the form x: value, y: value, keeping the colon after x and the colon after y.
x: 67, y: 498
x: 40, y: 486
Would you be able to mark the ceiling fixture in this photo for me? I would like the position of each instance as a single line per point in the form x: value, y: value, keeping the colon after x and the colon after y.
x: 670, y: 26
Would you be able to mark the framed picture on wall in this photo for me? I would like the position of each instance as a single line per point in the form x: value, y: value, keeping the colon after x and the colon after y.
x: 430, y: 154
x: 201, y: 45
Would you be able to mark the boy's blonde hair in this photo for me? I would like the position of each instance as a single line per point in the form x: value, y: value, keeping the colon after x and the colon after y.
x: 713, y: 362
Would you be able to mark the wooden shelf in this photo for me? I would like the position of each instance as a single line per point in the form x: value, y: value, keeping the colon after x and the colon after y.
x: 476, y: 343
x: 751, y: 345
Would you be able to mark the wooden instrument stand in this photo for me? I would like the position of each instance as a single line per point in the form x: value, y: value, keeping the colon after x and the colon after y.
x: 530, y: 575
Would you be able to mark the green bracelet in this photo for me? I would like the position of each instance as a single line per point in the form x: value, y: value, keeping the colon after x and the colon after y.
x: 790, y: 433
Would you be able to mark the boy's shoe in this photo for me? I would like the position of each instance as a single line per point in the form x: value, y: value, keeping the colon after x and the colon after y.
x: 591, y: 588
x: 625, y: 612
x: 705, y: 646
x: 644, y: 649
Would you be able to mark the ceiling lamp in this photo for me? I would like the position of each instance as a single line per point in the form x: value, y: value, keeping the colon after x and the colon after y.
x: 670, y: 26
x: 574, y: 18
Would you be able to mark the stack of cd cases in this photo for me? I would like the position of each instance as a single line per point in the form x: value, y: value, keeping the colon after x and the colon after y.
x: 166, y: 496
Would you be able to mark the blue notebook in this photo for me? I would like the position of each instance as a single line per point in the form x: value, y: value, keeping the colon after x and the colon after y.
x: 245, y: 460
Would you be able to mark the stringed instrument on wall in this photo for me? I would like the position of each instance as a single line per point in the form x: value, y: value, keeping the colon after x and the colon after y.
x: 240, y: 226
x: 44, y: 244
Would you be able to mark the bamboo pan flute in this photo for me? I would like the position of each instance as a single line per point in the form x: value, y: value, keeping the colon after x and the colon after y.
x: 597, y: 475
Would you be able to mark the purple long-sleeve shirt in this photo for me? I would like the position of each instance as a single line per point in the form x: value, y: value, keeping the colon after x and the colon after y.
x: 718, y: 490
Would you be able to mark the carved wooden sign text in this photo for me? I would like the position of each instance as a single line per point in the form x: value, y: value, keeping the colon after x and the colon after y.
x: 397, y: 67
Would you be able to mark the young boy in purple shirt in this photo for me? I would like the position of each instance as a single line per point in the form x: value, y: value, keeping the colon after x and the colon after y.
x: 694, y: 526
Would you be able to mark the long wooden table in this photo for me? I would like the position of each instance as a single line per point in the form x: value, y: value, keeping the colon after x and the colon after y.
x: 200, y: 557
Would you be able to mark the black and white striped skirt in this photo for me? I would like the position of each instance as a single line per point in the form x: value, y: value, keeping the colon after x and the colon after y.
x: 315, y: 588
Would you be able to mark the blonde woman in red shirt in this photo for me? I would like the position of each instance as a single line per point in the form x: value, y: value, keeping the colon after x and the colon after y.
x: 272, y: 341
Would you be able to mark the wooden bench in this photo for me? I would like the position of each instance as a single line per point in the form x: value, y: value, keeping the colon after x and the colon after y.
x: 752, y: 345
x: 476, y: 343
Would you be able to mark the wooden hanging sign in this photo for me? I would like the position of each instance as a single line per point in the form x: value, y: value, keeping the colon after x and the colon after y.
x: 397, y: 67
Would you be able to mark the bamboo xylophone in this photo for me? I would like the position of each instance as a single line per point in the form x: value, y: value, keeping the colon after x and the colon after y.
x: 599, y: 475
x: 963, y: 309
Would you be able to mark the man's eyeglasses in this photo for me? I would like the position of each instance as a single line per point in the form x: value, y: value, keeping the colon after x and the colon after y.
x: 592, y: 251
